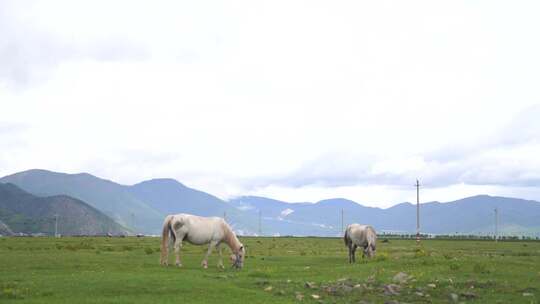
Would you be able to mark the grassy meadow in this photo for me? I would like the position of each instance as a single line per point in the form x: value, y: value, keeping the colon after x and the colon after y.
x: 277, y: 270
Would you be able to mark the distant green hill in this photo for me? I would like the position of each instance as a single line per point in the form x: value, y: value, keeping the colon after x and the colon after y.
x: 113, y: 199
x: 23, y: 212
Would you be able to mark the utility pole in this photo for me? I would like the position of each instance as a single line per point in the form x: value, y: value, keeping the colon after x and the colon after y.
x: 417, y: 211
x: 133, y: 221
x: 496, y: 224
x: 56, y: 225
x: 342, y: 227
x: 260, y: 230
x: 225, y: 215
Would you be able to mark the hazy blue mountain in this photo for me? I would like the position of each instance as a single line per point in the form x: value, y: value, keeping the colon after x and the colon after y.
x: 113, y: 199
x: 269, y: 207
x: 328, y: 212
x: 169, y: 196
x: 476, y: 214
x: 322, y: 218
x: 470, y: 215
x: 23, y: 212
x: 275, y: 218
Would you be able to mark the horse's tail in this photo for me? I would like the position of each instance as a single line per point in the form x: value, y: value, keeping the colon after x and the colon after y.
x: 346, y: 238
x: 166, y: 232
x: 372, y: 238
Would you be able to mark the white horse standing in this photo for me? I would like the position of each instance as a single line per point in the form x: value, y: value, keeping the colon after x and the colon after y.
x: 364, y: 236
x: 200, y: 231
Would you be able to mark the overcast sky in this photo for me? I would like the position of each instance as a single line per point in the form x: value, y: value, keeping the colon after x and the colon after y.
x: 295, y: 100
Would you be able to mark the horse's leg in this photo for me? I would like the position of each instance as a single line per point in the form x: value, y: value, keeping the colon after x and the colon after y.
x: 165, y: 255
x: 177, y: 247
x: 210, y: 247
x: 220, y: 262
x: 350, y: 253
x: 354, y: 253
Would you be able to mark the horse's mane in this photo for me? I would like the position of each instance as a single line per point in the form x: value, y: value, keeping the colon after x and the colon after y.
x: 230, y: 238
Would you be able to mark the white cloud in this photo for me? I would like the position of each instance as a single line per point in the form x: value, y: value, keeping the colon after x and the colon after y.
x: 31, y: 49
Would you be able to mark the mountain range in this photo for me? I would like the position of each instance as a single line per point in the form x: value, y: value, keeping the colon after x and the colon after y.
x: 142, y: 207
x: 472, y: 215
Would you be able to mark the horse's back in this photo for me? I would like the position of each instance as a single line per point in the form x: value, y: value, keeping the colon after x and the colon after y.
x: 357, y: 229
x: 197, y: 229
x: 361, y: 234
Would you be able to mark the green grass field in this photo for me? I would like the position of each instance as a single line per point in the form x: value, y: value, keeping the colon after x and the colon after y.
x: 277, y: 270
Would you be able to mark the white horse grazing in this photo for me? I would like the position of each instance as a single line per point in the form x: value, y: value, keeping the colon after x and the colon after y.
x: 200, y: 231
x: 364, y: 236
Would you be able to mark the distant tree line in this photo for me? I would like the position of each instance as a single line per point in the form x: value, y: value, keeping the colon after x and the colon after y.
x: 459, y: 237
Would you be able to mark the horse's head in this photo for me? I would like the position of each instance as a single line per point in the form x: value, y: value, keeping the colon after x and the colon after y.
x: 237, y: 258
x: 369, y: 251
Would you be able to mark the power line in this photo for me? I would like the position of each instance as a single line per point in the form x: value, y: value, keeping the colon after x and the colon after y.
x: 56, y: 225
x: 496, y: 224
x: 133, y: 221
x: 260, y: 230
x: 342, y: 227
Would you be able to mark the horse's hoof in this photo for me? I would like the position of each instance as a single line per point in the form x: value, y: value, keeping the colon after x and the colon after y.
x: 178, y: 264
